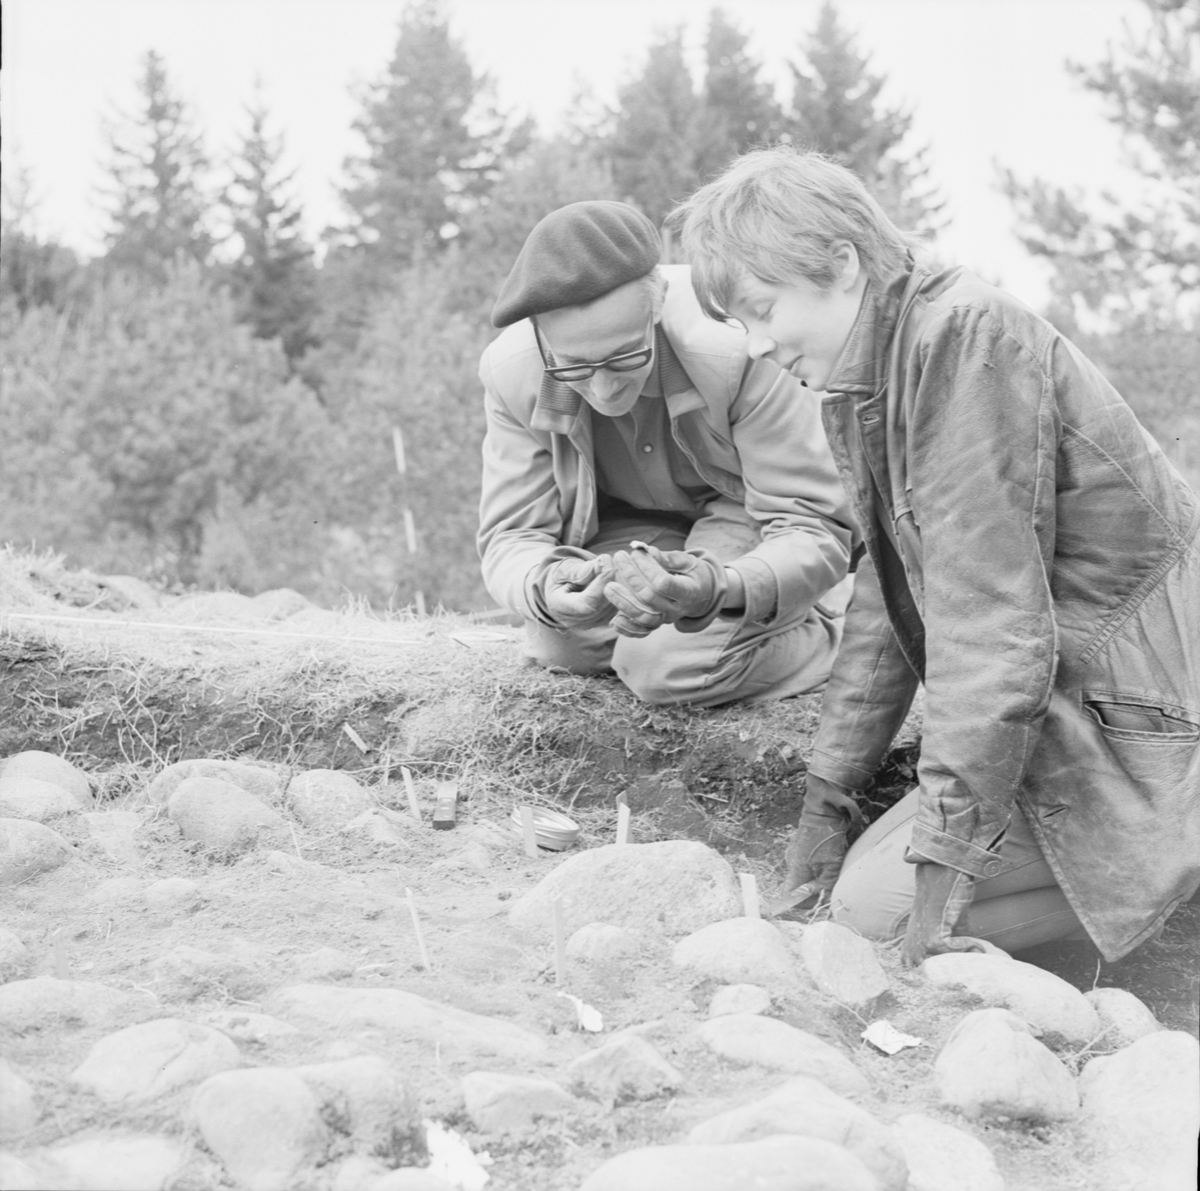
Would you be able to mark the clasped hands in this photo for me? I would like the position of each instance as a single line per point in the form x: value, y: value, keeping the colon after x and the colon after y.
x: 817, y: 850
x: 635, y: 590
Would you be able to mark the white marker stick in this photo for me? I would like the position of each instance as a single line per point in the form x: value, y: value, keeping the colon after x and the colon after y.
x: 527, y: 830
x: 749, y: 895
x: 412, y: 909
x: 623, y: 823
x: 61, y: 968
x: 560, y: 943
x: 413, y: 805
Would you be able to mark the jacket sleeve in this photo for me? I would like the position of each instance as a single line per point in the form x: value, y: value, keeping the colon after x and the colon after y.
x: 520, y: 521
x: 793, y: 490
x: 982, y: 441
x: 870, y: 691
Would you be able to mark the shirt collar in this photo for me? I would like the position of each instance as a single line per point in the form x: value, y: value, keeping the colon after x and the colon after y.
x: 862, y: 365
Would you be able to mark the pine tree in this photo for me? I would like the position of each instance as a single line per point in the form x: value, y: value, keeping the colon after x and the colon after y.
x: 158, y: 168
x: 1138, y: 264
x: 434, y: 140
x: 34, y: 270
x: 836, y: 108
x: 652, y: 147
x: 273, y: 277
x: 738, y: 110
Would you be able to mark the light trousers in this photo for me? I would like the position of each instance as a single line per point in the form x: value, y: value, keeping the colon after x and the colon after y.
x: 729, y: 659
x: 1022, y: 906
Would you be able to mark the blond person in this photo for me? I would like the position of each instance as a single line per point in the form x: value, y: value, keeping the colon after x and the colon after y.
x: 1033, y: 560
x: 618, y: 413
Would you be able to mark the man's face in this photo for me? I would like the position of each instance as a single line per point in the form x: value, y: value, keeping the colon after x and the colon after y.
x: 799, y: 326
x: 617, y: 323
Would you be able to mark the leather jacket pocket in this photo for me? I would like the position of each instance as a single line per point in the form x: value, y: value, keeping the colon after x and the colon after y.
x: 1137, y: 718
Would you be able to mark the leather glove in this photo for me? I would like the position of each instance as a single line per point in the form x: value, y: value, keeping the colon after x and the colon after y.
x: 942, y: 898
x: 651, y: 587
x: 573, y: 590
x: 818, y: 845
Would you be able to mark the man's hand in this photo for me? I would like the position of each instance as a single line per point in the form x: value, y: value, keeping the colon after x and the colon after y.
x: 942, y: 898
x: 573, y: 589
x: 651, y: 587
x: 818, y: 845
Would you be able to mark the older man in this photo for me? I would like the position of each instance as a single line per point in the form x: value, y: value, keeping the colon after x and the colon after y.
x: 654, y: 502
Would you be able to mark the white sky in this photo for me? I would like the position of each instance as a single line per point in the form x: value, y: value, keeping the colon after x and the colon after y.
x: 985, y: 78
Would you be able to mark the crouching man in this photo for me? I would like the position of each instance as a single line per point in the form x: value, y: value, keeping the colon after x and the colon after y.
x: 655, y: 503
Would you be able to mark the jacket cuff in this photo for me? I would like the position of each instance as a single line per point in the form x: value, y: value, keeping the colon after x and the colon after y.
x: 839, y: 771
x: 761, y: 588
x: 929, y: 844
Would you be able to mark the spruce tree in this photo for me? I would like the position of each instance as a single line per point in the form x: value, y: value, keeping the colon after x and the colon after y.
x: 1137, y: 262
x: 836, y: 108
x: 434, y: 143
x: 652, y: 147
x: 273, y: 277
x: 158, y: 168
x: 34, y: 270
x: 738, y: 110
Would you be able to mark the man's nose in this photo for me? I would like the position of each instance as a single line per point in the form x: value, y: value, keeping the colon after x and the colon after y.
x: 604, y: 384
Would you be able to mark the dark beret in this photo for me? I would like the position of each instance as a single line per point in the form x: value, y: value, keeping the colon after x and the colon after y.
x: 577, y: 254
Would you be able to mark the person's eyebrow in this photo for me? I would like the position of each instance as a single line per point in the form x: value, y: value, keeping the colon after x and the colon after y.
x: 630, y: 345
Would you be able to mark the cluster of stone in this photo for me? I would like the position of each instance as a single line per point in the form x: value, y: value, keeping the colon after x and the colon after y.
x: 816, y: 1123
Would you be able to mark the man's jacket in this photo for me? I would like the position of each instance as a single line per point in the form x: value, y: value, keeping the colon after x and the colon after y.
x: 1034, y: 560
x: 751, y: 431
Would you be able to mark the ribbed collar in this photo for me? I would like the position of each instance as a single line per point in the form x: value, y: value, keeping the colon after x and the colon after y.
x: 558, y: 404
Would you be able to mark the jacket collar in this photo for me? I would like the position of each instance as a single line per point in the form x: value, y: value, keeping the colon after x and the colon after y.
x: 862, y: 366
x: 558, y: 405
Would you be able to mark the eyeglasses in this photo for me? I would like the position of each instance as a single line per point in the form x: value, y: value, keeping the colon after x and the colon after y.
x: 625, y: 362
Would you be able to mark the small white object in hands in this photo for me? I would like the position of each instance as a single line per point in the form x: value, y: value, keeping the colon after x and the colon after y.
x: 887, y: 1038
x: 450, y: 1158
x: 589, y: 1018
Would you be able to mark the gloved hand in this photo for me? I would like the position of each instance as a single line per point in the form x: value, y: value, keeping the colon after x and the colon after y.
x: 942, y: 898
x: 651, y: 587
x: 573, y: 589
x: 818, y: 845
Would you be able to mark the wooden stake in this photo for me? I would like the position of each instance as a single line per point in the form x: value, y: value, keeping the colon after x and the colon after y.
x: 61, y: 968
x: 560, y: 943
x: 749, y: 895
x: 529, y: 832
x: 623, y: 823
x: 413, y: 805
x: 412, y: 909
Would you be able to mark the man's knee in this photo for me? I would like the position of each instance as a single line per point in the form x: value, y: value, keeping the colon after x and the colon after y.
x: 661, y: 669
x: 578, y: 651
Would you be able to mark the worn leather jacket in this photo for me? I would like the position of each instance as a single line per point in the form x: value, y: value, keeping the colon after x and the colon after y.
x: 1034, y: 561
x: 750, y: 430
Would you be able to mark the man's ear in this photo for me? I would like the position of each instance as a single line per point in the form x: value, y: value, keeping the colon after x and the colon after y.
x: 849, y: 265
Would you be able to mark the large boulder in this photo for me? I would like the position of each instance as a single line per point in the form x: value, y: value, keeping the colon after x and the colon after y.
x: 992, y: 1067
x: 772, y: 1164
x: 28, y: 849
x: 943, y: 1158
x: 841, y: 964
x: 1123, y: 1017
x: 809, y: 1109
x: 327, y: 799
x: 1045, y: 1001
x: 35, y: 765
x: 263, y: 783
x: 222, y: 816
x: 739, y: 951
x: 47, y: 1003
x: 673, y: 886
x: 497, y: 1102
x: 625, y: 1068
x: 1141, y: 1111
x: 749, y: 1038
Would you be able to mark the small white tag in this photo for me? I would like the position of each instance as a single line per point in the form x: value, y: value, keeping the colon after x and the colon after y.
x: 887, y: 1038
x: 589, y: 1018
x: 450, y: 1158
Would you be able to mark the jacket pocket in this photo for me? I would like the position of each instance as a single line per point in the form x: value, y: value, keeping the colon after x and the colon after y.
x: 1136, y: 717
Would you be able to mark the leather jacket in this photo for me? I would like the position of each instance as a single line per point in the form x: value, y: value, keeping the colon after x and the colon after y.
x: 1034, y: 561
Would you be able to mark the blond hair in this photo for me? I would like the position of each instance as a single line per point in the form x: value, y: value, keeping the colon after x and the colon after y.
x: 779, y: 215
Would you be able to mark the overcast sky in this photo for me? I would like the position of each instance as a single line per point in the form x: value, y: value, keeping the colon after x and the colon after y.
x: 985, y: 79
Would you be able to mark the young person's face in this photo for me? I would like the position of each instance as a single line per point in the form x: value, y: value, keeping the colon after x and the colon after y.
x: 799, y: 326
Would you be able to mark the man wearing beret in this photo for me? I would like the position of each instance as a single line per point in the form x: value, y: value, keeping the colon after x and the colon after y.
x: 655, y: 503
